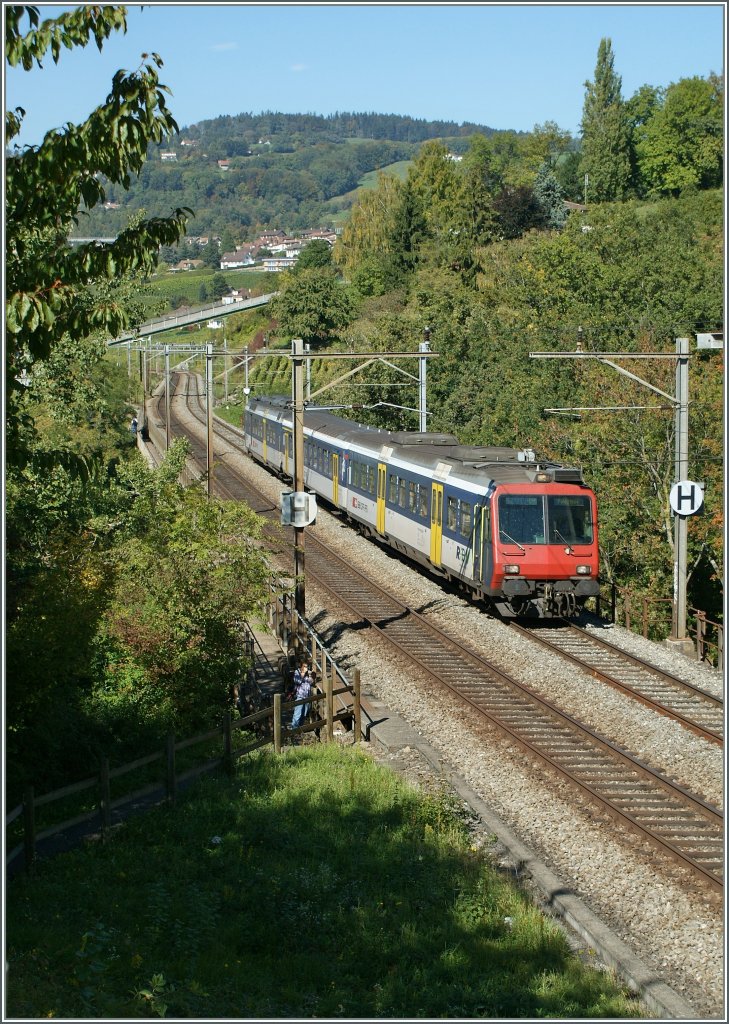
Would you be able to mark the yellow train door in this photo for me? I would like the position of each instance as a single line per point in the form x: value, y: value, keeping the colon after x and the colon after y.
x: 381, y: 483
x: 265, y: 441
x: 335, y: 478
x: 287, y: 450
x: 436, y: 523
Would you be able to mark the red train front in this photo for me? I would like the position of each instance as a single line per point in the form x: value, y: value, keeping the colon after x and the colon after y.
x: 543, y: 546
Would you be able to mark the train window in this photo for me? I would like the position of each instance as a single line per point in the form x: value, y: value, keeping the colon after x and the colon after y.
x: 452, y: 513
x: 570, y: 519
x: 392, y: 489
x: 423, y: 502
x: 371, y: 479
x: 402, y: 493
x: 466, y: 518
x: 521, y: 519
x: 413, y: 497
x: 356, y: 474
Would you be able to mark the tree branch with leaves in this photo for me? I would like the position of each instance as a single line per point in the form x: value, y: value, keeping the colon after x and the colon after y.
x: 48, y: 281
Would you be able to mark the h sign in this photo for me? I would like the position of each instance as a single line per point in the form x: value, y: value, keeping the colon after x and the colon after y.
x: 686, y: 497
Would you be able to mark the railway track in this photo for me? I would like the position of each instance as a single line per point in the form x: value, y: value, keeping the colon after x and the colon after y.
x: 696, y: 710
x: 682, y: 825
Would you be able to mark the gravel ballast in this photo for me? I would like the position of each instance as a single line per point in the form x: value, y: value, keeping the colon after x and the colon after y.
x: 674, y: 926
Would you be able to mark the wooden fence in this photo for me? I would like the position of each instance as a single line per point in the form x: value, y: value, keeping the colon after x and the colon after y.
x: 266, y: 725
x: 652, y: 617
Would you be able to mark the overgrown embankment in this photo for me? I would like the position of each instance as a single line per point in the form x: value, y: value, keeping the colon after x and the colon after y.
x: 311, y: 885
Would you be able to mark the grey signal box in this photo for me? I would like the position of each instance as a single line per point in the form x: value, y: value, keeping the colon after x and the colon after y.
x: 298, y: 508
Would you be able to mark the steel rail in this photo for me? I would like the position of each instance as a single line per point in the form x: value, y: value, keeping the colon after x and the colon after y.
x: 635, y: 677
x: 681, y: 824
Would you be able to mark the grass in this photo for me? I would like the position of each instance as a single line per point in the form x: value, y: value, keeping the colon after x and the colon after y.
x: 187, y: 283
x: 315, y: 884
x: 338, y: 215
x: 397, y: 170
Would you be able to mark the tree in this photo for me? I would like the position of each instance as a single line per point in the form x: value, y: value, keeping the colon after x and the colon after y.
x: 640, y: 108
x: 681, y: 144
x: 52, y: 288
x: 211, y: 254
x: 605, y: 131
x: 133, y: 593
x: 218, y: 286
x: 517, y: 210
x: 316, y: 254
x: 227, y: 242
x: 368, y: 231
x: 549, y: 196
x: 408, y: 230
x: 568, y: 173
x: 313, y: 305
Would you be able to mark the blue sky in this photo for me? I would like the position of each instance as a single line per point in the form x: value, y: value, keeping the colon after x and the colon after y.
x: 500, y: 65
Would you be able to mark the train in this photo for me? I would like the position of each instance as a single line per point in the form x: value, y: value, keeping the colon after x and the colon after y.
x: 517, y: 532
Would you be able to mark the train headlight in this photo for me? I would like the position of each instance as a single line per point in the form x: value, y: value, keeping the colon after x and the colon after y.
x: 584, y: 570
x: 513, y: 569
x: 543, y: 477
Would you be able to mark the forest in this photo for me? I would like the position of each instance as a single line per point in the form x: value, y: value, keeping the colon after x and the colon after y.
x: 125, y: 591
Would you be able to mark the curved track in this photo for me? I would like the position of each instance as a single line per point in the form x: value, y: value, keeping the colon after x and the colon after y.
x: 679, y: 823
x: 695, y: 709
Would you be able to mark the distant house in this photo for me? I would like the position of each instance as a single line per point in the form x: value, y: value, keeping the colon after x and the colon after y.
x: 275, y: 264
x: 240, y: 258
x: 215, y: 325
x: 189, y: 265
x: 269, y: 238
x: 224, y: 165
x: 319, y: 235
x: 237, y: 295
x: 168, y: 157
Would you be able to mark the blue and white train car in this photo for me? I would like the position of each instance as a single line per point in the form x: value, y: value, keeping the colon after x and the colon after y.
x: 517, y: 532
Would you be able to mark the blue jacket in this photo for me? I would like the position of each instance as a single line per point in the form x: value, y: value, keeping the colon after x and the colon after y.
x: 302, y: 684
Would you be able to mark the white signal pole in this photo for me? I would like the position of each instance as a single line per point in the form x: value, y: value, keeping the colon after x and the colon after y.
x: 424, y: 347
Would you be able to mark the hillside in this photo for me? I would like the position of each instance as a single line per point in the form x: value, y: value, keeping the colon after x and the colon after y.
x: 250, y: 172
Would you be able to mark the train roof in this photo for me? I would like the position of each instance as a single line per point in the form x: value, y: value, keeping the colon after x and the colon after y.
x: 428, y: 450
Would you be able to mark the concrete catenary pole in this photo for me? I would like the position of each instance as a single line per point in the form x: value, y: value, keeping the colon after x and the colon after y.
x: 297, y: 386
x: 167, y: 397
x: 209, y: 399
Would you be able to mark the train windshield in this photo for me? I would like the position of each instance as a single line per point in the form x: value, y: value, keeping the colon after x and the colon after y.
x: 570, y: 519
x: 523, y: 519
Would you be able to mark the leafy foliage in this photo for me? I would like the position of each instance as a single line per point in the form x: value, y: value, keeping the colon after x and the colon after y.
x: 313, y: 304
x: 626, y: 277
x: 681, y: 145
x: 90, y: 666
x: 605, y: 131
x: 49, y: 283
